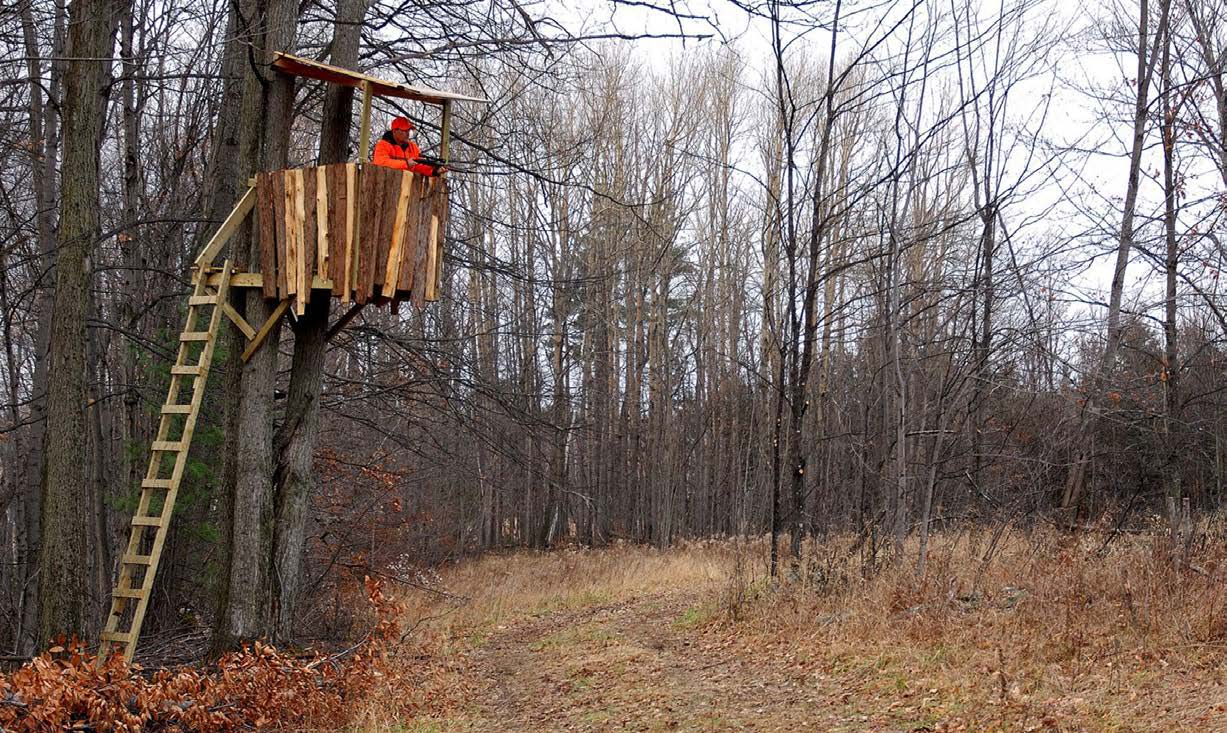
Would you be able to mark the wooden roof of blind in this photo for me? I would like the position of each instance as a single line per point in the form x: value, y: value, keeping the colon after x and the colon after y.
x: 298, y: 66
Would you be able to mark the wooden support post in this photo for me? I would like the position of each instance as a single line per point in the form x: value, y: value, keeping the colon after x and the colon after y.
x: 364, y: 124
x: 445, y: 132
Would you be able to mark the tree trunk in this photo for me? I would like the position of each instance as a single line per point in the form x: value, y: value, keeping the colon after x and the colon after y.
x: 1076, y: 479
x: 266, y: 126
x: 64, y: 582
x: 44, y: 128
x: 1170, y: 375
x: 296, y: 439
x: 224, y: 180
x: 294, y: 479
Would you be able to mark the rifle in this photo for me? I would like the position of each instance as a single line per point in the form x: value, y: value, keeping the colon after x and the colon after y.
x: 433, y: 162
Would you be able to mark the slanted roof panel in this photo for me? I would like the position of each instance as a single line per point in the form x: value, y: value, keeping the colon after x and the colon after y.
x: 298, y: 66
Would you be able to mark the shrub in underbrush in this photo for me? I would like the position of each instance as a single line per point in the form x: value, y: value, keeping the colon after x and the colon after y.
x: 66, y: 689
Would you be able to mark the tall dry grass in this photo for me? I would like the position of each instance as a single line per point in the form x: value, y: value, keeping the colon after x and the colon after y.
x: 1009, y: 628
x: 489, y: 590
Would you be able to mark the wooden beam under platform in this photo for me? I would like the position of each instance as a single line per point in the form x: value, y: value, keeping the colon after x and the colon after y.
x: 256, y: 280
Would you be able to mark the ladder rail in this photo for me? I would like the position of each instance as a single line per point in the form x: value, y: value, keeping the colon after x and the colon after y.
x: 133, y: 558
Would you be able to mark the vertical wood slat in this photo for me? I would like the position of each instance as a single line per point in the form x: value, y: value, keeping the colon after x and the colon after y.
x: 379, y: 238
x: 388, y: 195
x: 409, y: 238
x: 379, y: 243
x: 436, y: 244
x: 392, y: 273
x: 306, y: 197
x: 363, y: 183
x: 422, y: 252
x: 336, y: 227
x: 291, y: 236
x: 332, y: 195
x: 369, y: 182
x: 371, y: 235
x: 351, y: 230
x: 440, y: 208
x: 399, y: 199
x: 300, y: 255
x: 268, y: 233
x: 278, y: 181
x: 431, y: 259
x: 323, y: 212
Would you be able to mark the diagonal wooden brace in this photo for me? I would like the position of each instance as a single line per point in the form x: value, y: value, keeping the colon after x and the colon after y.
x: 266, y: 329
x: 238, y: 320
x: 227, y: 229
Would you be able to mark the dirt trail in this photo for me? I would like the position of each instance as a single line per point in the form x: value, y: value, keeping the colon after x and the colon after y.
x: 637, y: 665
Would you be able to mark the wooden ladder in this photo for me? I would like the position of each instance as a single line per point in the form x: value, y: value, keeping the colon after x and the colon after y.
x: 167, y: 461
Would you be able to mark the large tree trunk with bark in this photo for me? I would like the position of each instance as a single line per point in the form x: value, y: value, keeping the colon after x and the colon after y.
x: 249, y: 479
x: 64, y: 579
x: 223, y: 185
x: 44, y: 127
x: 294, y: 480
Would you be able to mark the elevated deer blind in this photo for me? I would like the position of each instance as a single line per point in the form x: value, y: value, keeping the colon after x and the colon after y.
x: 368, y: 233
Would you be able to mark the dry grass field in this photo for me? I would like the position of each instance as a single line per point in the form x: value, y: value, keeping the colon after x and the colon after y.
x: 1009, y: 630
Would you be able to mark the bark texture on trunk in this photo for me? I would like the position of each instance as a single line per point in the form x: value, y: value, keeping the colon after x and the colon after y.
x: 249, y: 490
x: 294, y: 480
x: 64, y: 580
x: 44, y: 126
x: 1170, y: 376
x: 295, y: 442
x: 224, y: 180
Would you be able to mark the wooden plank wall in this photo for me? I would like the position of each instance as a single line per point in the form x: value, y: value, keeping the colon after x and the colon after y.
x: 371, y: 234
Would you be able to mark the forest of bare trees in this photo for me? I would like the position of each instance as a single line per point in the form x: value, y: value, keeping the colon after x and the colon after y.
x: 874, y: 267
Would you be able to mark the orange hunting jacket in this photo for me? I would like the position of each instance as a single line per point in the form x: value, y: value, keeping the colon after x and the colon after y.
x: 391, y: 155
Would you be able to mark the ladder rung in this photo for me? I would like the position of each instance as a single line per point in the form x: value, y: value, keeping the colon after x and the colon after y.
x: 194, y: 336
x: 202, y: 300
x: 116, y: 637
x: 186, y: 370
x: 137, y: 560
x: 155, y: 483
x: 166, y: 446
x: 128, y: 593
x: 176, y: 409
x: 139, y: 521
